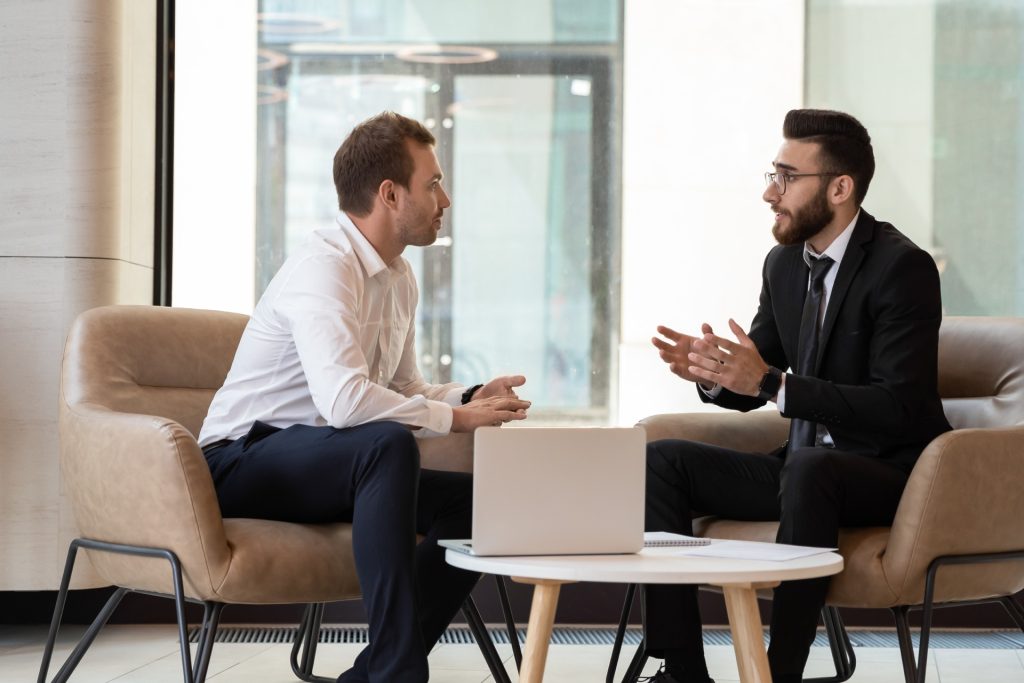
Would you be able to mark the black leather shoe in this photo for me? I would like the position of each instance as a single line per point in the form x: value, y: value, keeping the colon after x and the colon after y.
x: 663, y: 676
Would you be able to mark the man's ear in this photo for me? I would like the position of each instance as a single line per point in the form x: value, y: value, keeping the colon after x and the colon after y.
x: 841, y: 190
x: 386, y: 194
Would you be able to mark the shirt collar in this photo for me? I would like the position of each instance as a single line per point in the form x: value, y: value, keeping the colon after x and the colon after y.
x: 837, y: 249
x: 368, y: 257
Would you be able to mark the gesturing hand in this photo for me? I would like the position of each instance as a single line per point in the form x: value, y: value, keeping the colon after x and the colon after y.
x: 500, y: 386
x: 493, y: 411
x: 736, y: 365
x: 677, y: 350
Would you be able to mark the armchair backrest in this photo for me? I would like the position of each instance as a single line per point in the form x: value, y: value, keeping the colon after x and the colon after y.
x: 981, y: 371
x: 151, y: 360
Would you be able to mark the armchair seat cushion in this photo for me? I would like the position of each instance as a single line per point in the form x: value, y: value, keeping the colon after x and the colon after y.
x: 278, y: 562
x: 268, y: 563
x: 862, y: 583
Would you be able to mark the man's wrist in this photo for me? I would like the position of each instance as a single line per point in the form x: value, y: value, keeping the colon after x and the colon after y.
x: 771, y: 382
x: 467, y: 395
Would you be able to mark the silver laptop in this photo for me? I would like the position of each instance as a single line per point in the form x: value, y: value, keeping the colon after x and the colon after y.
x: 556, y: 491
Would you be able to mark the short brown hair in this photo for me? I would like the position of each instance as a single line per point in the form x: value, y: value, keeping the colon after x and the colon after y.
x: 373, y: 152
x: 845, y: 144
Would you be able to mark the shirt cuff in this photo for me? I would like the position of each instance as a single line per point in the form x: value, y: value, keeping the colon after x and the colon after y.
x: 454, y: 396
x: 780, y: 398
x: 440, y: 420
x: 711, y: 393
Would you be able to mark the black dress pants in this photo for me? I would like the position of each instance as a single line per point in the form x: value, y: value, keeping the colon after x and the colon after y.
x: 811, y: 491
x: 370, y: 476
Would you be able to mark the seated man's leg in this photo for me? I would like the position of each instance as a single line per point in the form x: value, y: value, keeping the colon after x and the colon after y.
x: 822, y: 489
x: 683, y: 477
x: 444, y: 510
x: 367, y: 475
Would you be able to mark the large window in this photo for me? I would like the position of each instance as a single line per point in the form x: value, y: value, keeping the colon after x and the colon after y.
x: 940, y: 85
x: 525, y: 105
x: 565, y: 247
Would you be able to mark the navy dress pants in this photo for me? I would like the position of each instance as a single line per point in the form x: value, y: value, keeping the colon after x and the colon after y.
x: 811, y: 491
x: 370, y: 476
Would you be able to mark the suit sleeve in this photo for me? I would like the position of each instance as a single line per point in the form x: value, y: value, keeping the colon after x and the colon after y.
x: 905, y: 314
x: 765, y: 334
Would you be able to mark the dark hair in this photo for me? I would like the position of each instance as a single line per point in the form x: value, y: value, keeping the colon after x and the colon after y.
x: 845, y: 144
x: 373, y: 152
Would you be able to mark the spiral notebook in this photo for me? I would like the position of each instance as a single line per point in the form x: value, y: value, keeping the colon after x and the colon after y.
x: 664, y: 539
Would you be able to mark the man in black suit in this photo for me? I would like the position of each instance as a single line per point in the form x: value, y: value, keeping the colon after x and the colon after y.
x: 851, y: 308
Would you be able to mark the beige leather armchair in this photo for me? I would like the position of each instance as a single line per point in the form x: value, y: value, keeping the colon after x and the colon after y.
x: 136, y: 385
x: 958, y: 535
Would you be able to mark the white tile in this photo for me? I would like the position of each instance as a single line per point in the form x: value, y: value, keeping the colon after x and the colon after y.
x: 977, y: 666
x: 136, y: 654
x: 273, y: 663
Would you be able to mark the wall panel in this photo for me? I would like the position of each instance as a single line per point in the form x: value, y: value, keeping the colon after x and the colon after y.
x: 77, y: 130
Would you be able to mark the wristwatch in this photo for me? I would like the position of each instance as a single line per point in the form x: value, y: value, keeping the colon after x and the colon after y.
x: 467, y: 395
x: 771, y: 382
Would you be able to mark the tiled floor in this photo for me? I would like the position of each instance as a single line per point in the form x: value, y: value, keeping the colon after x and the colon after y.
x: 150, y: 654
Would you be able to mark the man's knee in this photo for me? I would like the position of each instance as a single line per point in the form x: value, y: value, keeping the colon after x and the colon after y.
x: 810, y: 469
x: 665, y: 454
x: 670, y: 460
x: 392, y: 445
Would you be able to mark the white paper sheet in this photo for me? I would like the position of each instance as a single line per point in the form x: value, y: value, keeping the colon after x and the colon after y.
x: 751, y: 550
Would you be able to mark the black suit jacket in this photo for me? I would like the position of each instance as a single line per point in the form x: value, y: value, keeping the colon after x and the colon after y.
x: 876, y: 384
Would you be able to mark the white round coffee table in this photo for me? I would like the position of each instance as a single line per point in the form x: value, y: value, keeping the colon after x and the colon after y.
x: 738, y: 578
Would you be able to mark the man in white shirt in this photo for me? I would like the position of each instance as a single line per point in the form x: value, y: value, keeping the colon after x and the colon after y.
x: 316, y: 419
x: 851, y: 308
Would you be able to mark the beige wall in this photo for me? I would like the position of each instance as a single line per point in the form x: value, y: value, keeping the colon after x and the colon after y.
x: 76, y: 231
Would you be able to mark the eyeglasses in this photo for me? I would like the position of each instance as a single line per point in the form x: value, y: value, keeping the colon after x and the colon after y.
x: 780, y: 178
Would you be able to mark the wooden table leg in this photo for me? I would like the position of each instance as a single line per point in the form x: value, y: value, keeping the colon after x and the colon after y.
x: 747, y: 636
x: 538, y: 632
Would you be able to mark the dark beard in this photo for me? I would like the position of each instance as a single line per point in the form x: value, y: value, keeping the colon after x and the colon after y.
x: 806, y: 222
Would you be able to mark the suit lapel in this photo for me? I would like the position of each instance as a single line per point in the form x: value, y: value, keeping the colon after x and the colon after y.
x: 863, y: 232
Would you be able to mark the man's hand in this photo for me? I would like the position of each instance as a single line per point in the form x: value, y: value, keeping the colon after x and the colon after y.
x: 500, y: 386
x: 677, y: 350
x: 483, y: 412
x: 737, y: 366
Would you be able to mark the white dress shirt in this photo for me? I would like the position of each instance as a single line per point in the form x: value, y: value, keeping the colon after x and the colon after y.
x: 331, y: 342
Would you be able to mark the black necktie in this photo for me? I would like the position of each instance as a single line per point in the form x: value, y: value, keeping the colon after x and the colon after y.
x: 804, y: 432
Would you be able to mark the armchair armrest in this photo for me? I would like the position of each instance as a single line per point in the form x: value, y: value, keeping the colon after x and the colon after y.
x: 964, y: 496
x: 142, y: 480
x: 452, y: 453
x: 759, y: 431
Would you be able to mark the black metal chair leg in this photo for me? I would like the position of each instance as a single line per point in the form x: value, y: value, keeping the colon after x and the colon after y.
x: 843, y: 657
x: 58, y: 612
x: 101, y: 619
x: 636, y: 665
x: 620, y: 632
x: 207, y: 636
x: 906, y: 643
x: 1015, y: 611
x: 510, y: 623
x: 483, y: 641
x: 307, y: 636
x: 926, y: 619
x: 847, y: 646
